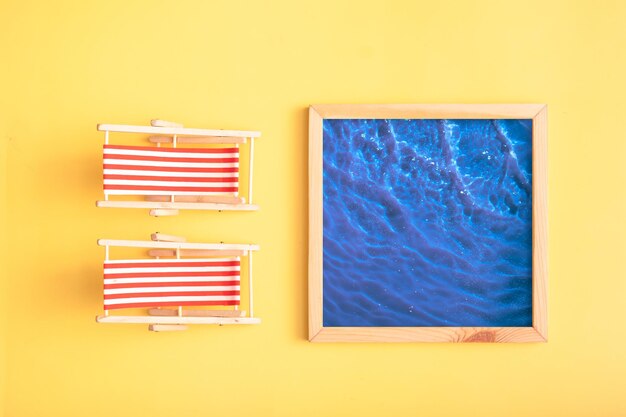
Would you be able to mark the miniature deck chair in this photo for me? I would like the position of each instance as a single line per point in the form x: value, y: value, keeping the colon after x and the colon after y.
x: 172, y: 178
x: 179, y: 275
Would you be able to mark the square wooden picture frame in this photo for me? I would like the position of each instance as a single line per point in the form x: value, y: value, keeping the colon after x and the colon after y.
x: 318, y: 332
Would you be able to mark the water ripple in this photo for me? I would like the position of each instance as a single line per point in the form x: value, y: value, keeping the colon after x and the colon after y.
x: 427, y: 222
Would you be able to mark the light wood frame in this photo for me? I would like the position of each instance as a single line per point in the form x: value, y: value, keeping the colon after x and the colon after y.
x: 539, y: 330
x: 174, y: 133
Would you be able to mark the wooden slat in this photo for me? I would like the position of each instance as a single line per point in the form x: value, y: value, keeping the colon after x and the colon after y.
x: 167, y: 327
x: 177, y: 320
x: 250, y: 286
x: 315, y: 223
x: 540, y: 223
x: 175, y: 245
x: 216, y: 199
x: 170, y: 312
x: 176, y: 205
x: 162, y: 237
x: 163, y: 212
x: 198, y: 140
x: 164, y: 123
x: 427, y: 111
x: 428, y: 334
x: 250, y: 169
x: 180, y: 131
x: 197, y: 253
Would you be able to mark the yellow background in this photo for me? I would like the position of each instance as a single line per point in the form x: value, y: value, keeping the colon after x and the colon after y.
x: 67, y: 65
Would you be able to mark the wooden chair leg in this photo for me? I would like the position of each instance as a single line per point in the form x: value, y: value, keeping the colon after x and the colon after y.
x: 167, y: 327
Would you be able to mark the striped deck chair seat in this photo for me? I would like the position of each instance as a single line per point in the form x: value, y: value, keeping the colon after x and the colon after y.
x: 148, y: 170
x: 171, y: 282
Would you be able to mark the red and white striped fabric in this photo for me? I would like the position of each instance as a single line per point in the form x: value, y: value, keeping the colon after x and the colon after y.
x: 148, y: 170
x: 171, y: 282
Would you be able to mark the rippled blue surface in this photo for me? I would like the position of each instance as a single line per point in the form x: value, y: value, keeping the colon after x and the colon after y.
x: 427, y: 222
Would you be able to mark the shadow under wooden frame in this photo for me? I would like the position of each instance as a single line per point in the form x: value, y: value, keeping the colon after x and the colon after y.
x: 538, y: 331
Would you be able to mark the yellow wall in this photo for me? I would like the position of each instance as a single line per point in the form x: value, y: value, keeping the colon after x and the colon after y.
x: 68, y: 65
x: 3, y: 252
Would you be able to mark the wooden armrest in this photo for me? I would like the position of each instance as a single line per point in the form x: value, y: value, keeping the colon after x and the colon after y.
x: 197, y: 139
x: 197, y: 253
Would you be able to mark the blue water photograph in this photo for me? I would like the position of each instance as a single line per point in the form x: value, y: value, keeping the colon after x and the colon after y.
x: 427, y: 222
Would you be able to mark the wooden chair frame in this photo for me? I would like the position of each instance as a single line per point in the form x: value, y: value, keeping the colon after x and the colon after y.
x: 539, y: 330
x: 166, y: 319
x: 169, y: 132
